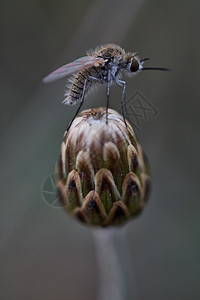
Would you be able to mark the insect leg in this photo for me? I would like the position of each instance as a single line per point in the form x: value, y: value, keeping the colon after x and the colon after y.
x: 94, y: 78
x: 108, y: 95
x: 81, y: 103
x: 122, y: 84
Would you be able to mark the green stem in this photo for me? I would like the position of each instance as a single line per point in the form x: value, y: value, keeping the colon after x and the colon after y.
x: 116, y: 281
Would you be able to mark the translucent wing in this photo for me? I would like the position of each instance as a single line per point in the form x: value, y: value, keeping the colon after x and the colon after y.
x: 73, y: 67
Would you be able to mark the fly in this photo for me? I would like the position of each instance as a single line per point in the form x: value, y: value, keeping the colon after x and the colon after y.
x: 103, y: 65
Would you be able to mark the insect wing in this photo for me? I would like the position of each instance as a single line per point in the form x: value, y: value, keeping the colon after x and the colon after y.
x: 75, y: 66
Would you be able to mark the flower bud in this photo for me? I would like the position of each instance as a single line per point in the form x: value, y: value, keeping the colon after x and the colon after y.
x: 103, y: 176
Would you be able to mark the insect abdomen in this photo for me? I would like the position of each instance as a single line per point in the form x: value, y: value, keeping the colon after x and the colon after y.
x: 75, y: 91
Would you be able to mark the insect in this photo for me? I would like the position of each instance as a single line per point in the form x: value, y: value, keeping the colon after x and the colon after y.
x: 103, y: 65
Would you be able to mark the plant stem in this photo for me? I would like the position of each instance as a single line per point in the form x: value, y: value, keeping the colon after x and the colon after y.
x: 116, y: 281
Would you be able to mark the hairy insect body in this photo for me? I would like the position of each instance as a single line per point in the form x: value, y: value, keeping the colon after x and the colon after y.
x: 116, y: 60
x: 75, y: 91
x: 103, y: 65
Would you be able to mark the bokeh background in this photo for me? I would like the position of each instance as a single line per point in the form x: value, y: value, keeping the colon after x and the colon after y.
x: 44, y: 254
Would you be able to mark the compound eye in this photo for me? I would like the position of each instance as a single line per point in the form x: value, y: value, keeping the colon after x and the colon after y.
x: 134, y: 65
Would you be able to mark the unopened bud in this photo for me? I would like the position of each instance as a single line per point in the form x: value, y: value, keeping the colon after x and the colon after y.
x: 103, y: 172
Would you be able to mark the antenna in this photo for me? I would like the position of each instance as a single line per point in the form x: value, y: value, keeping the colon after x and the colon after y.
x: 156, y: 69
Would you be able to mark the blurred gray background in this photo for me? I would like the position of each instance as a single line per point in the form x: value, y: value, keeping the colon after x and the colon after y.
x: 43, y: 253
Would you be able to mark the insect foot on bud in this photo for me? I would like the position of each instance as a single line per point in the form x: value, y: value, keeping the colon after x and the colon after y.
x: 103, y: 176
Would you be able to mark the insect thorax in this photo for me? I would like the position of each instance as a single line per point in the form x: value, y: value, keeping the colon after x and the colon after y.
x: 110, y: 50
